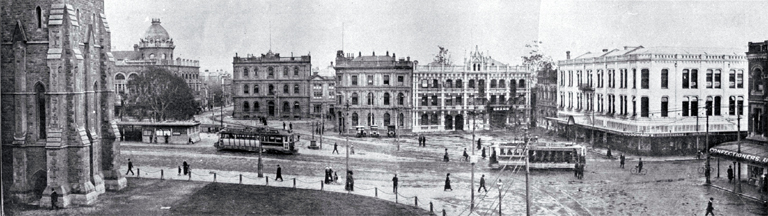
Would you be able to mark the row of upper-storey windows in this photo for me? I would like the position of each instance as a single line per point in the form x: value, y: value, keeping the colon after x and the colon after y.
x: 271, y: 89
x: 270, y: 72
x: 356, y: 80
x: 434, y: 83
x: 690, y: 77
x: 689, y: 106
x: 317, y: 90
x: 372, y: 98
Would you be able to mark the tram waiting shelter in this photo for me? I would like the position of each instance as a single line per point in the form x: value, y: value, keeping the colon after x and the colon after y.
x: 160, y: 132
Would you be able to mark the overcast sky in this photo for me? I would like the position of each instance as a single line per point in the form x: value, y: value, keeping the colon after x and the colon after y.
x: 213, y: 31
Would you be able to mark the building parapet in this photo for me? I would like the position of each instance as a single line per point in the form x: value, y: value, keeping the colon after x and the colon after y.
x: 250, y: 58
x: 462, y: 68
x: 177, y: 62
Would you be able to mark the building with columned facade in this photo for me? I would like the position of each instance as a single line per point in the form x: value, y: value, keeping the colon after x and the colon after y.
x: 58, y: 128
x: 481, y: 94
x: 654, y: 100
x: 155, y: 49
x: 373, y: 90
x: 271, y: 86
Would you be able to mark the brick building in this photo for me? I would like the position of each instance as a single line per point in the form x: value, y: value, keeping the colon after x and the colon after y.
x: 545, y: 102
x: 271, y: 86
x: 376, y: 88
x: 654, y: 100
x: 323, y: 100
x: 155, y: 49
x: 446, y: 96
x: 58, y: 131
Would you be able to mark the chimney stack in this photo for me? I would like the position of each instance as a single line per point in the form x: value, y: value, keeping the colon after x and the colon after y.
x: 387, y: 52
x: 567, y: 55
x: 605, y: 50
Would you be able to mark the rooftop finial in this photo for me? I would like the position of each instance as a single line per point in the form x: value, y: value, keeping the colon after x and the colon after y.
x: 155, y: 20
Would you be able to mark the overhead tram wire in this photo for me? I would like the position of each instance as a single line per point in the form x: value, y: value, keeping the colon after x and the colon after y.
x: 498, y: 176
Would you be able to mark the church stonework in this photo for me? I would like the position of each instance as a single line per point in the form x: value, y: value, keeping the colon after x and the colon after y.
x: 58, y: 129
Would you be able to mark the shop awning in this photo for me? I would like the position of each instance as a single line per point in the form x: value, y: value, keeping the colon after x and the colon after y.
x: 751, y: 151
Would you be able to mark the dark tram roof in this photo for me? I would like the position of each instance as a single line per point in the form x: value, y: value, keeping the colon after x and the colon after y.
x: 249, y: 130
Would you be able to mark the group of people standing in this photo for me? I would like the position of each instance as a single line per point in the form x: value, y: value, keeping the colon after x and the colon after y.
x: 422, y: 141
x: 579, y: 170
x: 330, y: 175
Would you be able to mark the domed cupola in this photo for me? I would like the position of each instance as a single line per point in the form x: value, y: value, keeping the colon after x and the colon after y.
x: 156, y: 32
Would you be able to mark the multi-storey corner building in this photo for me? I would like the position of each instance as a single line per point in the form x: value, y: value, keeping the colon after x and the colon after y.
x: 446, y: 96
x: 323, y: 100
x: 271, y: 86
x: 653, y: 101
x: 544, y: 102
x: 155, y: 49
x: 377, y: 90
x: 58, y: 128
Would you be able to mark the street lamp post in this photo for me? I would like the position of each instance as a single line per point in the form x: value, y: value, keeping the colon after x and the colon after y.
x: 737, y: 186
x: 709, y: 167
x: 499, y: 184
x: 346, y: 108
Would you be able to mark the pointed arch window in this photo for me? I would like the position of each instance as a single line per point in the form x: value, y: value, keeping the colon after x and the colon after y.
x: 41, y: 114
x: 39, y: 16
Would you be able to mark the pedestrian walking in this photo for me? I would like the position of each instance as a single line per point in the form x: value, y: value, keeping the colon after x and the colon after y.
x: 479, y: 144
x: 447, y: 182
x: 350, y: 186
x: 424, y: 144
x: 581, y: 170
x: 621, y: 161
x: 54, y: 199
x: 290, y: 126
x: 609, y: 153
x: 419, y: 140
x: 327, y: 175
x: 466, y: 156
x: 185, y: 166
x: 279, y: 173
x: 352, y: 149
x: 130, y: 167
x: 283, y: 125
x: 640, y: 166
x: 445, y: 157
x: 482, y: 184
x: 710, y: 208
x: 335, y: 148
x: 190, y: 141
x: 394, y: 184
x: 576, y: 170
x: 483, y: 152
x: 179, y: 171
x: 730, y: 174
x: 335, y: 177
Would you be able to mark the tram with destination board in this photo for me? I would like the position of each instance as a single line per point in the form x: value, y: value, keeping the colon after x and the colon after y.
x: 248, y: 139
x: 542, y: 156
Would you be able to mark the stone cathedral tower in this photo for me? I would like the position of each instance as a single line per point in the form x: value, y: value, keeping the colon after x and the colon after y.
x: 58, y: 131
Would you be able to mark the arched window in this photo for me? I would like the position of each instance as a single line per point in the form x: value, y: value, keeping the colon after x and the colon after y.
x: 256, y: 89
x: 41, y: 114
x: 354, y: 98
x: 296, y: 88
x: 493, y: 83
x: 757, y: 80
x: 286, y: 107
x: 256, y: 106
x: 151, y: 56
x: 39, y: 16
x: 400, y: 99
x: 370, y: 98
x: 120, y: 83
x: 386, y: 119
x: 521, y: 83
x: 286, y: 89
x: 296, y: 107
x: 433, y: 119
x: 355, y: 120
x: 386, y: 98
x: 295, y: 70
x: 459, y: 84
x: 164, y: 56
x: 434, y: 83
x: 245, y: 89
x: 271, y: 90
x: 285, y: 71
x: 371, y: 119
x: 424, y: 119
x: 246, y: 107
x: 401, y: 120
x: 256, y: 72
x: 471, y: 83
x: 449, y: 83
x: 245, y: 72
x: 270, y: 72
x: 502, y: 84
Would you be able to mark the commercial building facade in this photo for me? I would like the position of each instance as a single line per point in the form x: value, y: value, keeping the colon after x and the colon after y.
x: 652, y: 101
x: 323, y: 100
x: 376, y: 90
x: 58, y: 128
x: 271, y: 86
x: 545, y: 100
x: 458, y: 97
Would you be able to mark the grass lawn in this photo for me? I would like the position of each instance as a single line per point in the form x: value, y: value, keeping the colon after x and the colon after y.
x: 234, y: 199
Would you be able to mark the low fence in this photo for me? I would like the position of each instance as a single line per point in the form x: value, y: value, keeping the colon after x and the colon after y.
x: 311, y: 183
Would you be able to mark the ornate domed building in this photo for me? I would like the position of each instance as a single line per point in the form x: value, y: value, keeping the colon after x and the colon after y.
x: 155, y: 48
